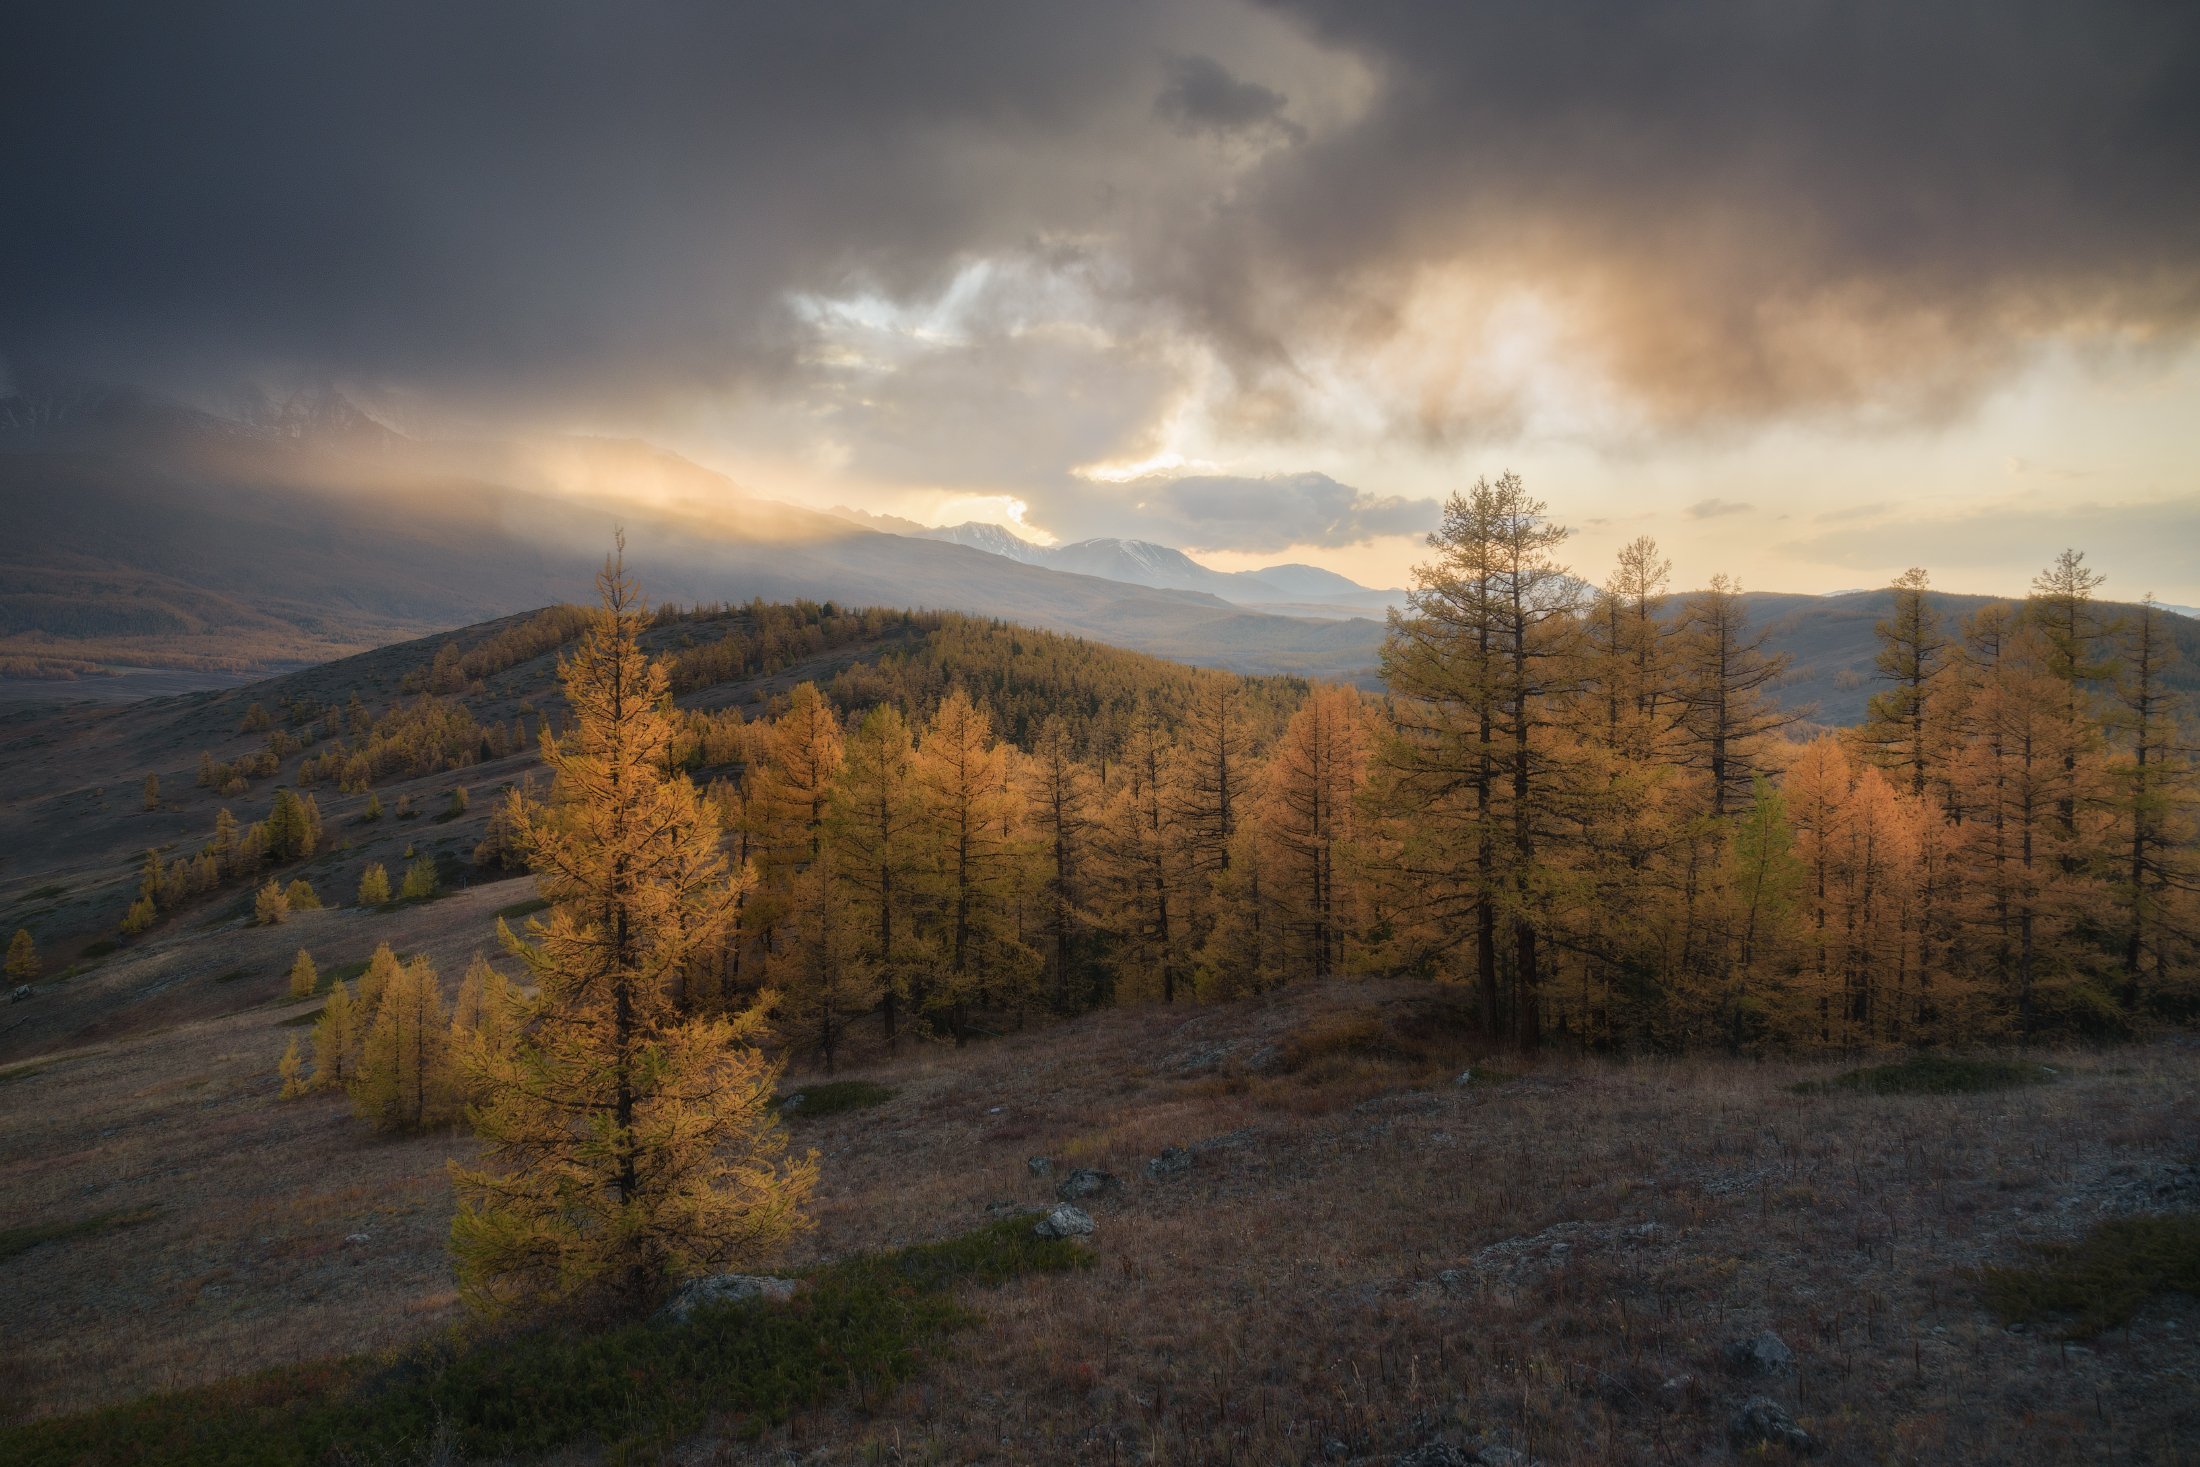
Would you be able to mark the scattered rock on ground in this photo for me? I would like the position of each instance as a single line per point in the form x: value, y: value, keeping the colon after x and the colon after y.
x: 791, y: 1104
x: 1086, y: 1182
x: 727, y: 1288
x: 1064, y: 1221
x: 1173, y: 1161
x: 1516, y: 1259
x: 1766, y: 1354
x: 1435, y: 1454
x: 1041, y: 1166
x: 1764, y: 1421
x: 1007, y: 1209
x: 1464, y: 1077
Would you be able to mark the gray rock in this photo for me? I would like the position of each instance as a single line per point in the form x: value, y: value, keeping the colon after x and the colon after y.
x: 1763, y: 1421
x: 1264, y: 1059
x: 791, y: 1104
x: 728, y: 1288
x: 1173, y: 1161
x: 1041, y: 1166
x: 1064, y: 1221
x: 1434, y: 1454
x: 22, y: 992
x: 1456, y: 1282
x: 1765, y: 1355
x: 1464, y: 1077
x: 1007, y: 1209
x: 1086, y: 1182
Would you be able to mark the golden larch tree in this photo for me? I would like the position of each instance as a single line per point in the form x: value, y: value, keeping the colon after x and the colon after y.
x: 627, y: 1144
x: 405, y: 1080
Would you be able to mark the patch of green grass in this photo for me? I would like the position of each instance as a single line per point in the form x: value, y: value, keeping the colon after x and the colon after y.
x: 42, y: 893
x: 299, y: 1021
x: 518, y: 910
x: 859, y: 1330
x: 2101, y: 1280
x: 835, y: 1096
x: 21, y: 1072
x: 22, y: 1240
x: 233, y: 975
x: 100, y: 947
x: 1933, y: 1074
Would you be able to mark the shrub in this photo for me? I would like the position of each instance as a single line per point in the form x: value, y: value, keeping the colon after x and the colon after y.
x: 301, y: 896
x: 374, y: 886
x: 270, y: 906
x: 833, y: 1097
x: 2101, y: 1280
x: 862, y: 1327
x: 1933, y: 1074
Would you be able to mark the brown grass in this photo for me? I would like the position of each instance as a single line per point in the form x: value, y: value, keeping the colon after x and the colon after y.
x: 1286, y: 1299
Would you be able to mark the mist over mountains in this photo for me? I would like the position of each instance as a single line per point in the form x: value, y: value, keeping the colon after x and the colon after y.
x: 288, y: 530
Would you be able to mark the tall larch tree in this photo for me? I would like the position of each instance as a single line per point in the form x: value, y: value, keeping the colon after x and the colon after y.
x: 871, y: 822
x: 1059, y: 792
x: 1146, y: 866
x: 1537, y: 603
x: 1913, y: 651
x: 2154, y: 792
x: 2079, y: 644
x: 1438, y: 783
x: 627, y: 1144
x: 969, y: 856
x: 1722, y: 675
x: 335, y: 1039
x: 1308, y: 815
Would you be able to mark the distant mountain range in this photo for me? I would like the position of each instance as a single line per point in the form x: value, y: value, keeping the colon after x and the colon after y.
x: 142, y: 532
x: 1301, y: 590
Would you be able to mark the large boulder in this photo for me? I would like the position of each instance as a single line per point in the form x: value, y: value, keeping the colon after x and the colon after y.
x: 727, y: 1288
x: 1064, y: 1221
x: 1086, y: 1182
x: 1764, y: 1355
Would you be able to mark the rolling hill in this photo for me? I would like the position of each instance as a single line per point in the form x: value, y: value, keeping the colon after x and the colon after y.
x: 151, y: 533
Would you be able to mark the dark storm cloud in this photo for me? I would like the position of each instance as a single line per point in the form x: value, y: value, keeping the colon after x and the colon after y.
x: 1736, y: 210
x: 1202, y: 96
x: 517, y: 197
x: 1749, y: 209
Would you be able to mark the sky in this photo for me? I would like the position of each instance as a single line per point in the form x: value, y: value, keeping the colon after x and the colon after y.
x: 1810, y: 292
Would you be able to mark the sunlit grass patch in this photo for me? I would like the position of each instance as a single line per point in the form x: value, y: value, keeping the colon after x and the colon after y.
x: 1933, y: 1074
x: 518, y: 910
x: 2100, y: 1281
x: 858, y: 1330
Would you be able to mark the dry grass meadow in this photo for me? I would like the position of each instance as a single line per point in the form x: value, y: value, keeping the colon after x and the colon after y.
x: 1363, y: 1258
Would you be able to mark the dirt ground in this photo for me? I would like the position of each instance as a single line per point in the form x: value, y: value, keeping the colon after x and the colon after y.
x: 1548, y: 1260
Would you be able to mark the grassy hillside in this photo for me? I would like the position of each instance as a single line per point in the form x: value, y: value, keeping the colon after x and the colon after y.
x: 1358, y: 1257
x: 74, y: 828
